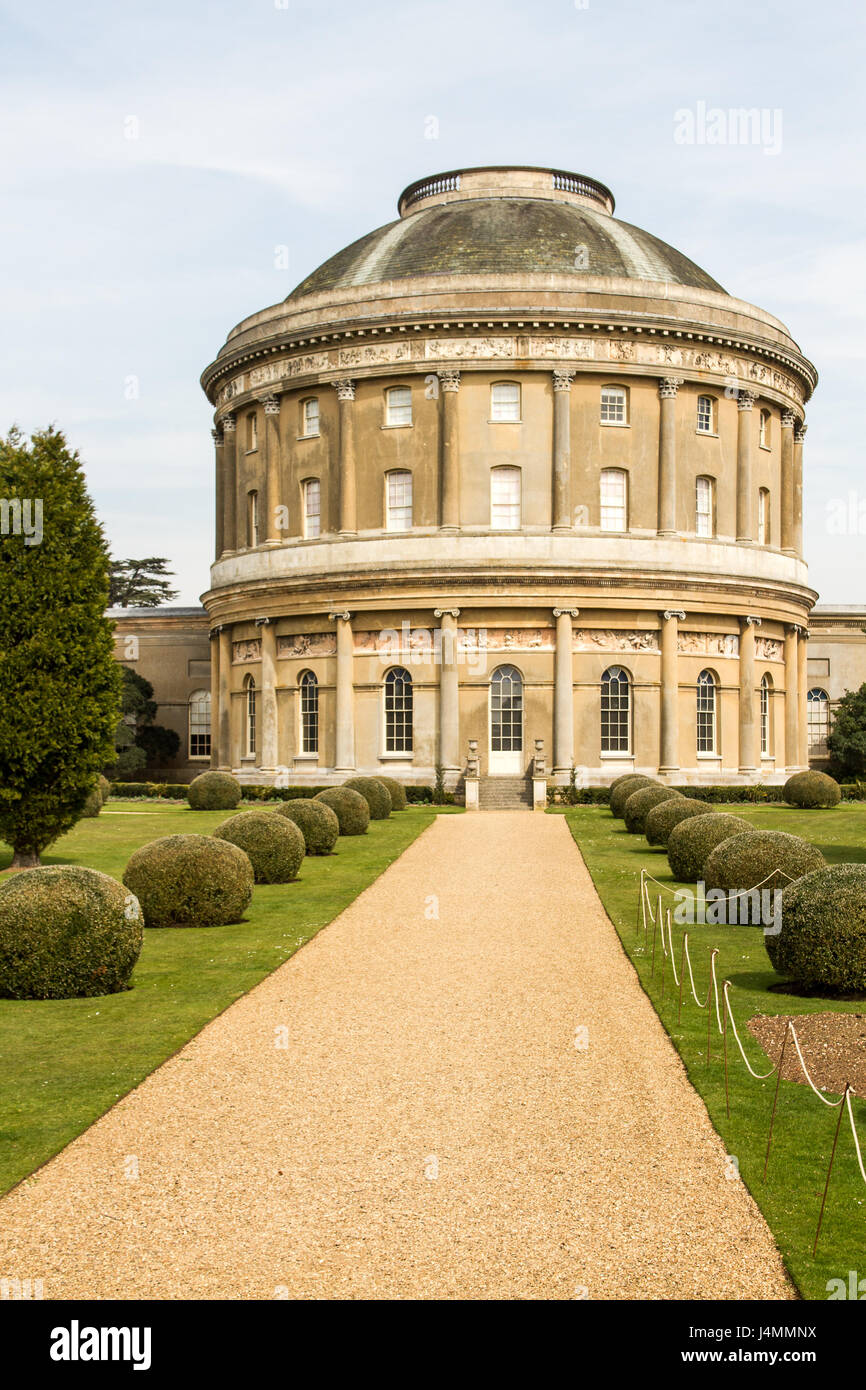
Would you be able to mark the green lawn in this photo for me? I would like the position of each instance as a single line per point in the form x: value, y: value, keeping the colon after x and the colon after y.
x: 803, y: 1136
x: 65, y: 1062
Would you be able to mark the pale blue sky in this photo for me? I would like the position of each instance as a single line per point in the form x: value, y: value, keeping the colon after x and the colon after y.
x: 297, y: 123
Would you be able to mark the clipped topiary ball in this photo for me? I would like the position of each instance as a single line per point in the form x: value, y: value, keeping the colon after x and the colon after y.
x: 770, y: 858
x: 351, y: 808
x: 811, y: 790
x: 316, y: 821
x: 625, y: 786
x: 104, y: 789
x: 190, y: 881
x: 66, y: 932
x: 214, y: 791
x: 822, y: 944
x: 691, y: 842
x: 396, y: 791
x: 273, y: 844
x: 375, y: 793
x: 640, y: 802
x: 93, y: 804
x: 661, y: 818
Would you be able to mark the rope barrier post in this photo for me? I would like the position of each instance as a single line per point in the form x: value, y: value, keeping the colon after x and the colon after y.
x: 682, y: 977
x: 664, y: 961
x: 709, y: 1017
x: 640, y: 905
x: 725, y: 984
x: 655, y: 932
x: 776, y: 1098
x: 842, y: 1105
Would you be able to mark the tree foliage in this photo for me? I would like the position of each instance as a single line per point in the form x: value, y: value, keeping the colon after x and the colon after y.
x: 59, y: 682
x: 140, y: 583
x: 138, y: 740
x: 846, y: 742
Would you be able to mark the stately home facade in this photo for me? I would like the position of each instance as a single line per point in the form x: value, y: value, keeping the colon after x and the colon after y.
x: 509, y: 478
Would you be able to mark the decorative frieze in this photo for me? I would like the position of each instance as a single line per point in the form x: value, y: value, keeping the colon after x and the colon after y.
x: 608, y: 639
x: 708, y: 644
x: 307, y: 644
x: 768, y: 649
x: 248, y: 650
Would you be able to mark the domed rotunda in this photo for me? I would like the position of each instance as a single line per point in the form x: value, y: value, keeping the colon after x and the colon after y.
x: 509, y: 482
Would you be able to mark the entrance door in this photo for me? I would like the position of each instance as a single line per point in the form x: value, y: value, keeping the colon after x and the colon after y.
x: 506, y: 722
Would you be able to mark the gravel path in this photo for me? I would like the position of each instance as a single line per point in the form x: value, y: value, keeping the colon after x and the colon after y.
x: 430, y: 1130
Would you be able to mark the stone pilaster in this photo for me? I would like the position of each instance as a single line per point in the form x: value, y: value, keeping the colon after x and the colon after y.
x: 270, y: 733
x: 561, y: 502
x: 228, y: 424
x: 344, y: 759
x: 802, y: 689
x: 223, y: 728
x: 792, y: 698
x: 449, y: 690
x: 214, y: 696
x: 563, y: 692
x: 273, y: 468
x: 786, y: 501
x: 748, y: 742
x: 220, y: 502
x: 745, y: 431
x: 799, y: 437
x: 667, y: 477
x: 345, y: 389
x: 449, y: 452
x: 669, y: 753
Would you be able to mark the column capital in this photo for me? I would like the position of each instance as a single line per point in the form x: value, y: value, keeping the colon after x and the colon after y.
x: 563, y: 377
x: 217, y: 436
x: 745, y: 399
x: 228, y: 422
x: 441, y: 612
x: 563, y: 612
x: 797, y: 629
x: 344, y: 614
x: 668, y: 387
x: 800, y: 432
x: 218, y: 629
x: 449, y: 380
x: 668, y: 613
x: 345, y: 388
x: 788, y: 420
x: 750, y: 620
x: 263, y: 622
x: 270, y: 402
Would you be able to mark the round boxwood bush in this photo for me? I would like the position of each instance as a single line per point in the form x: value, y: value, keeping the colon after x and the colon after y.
x: 623, y: 790
x: 104, y: 789
x: 642, y: 801
x: 66, y: 932
x: 691, y: 842
x: 273, y: 844
x: 822, y: 944
x: 770, y: 858
x: 214, y: 791
x: 316, y: 821
x: 811, y: 790
x: 351, y: 808
x: 661, y: 819
x: 375, y: 793
x: 396, y: 791
x: 190, y: 881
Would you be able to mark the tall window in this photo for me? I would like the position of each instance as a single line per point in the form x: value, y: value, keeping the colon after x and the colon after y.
x: 613, y: 406
x: 398, y: 501
x: 763, y: 516
x: 252, y: 518
x: 764, y: 429
x: 199, y: 724
x: 615, y: 711
x: 312, y: 494
x: 707, y: 713
x: 505, y: 499
x: 398, y: 406
x: 398, y: 711
x: 817, y: 719
x: 250, y: 716
x: 614, y: 499
x: 706, y: 415
x: 705, y: 499
x: 252, y: 431
x: 309, y: 687
x: 766, y: 732
x: 310, y: 417
x: 505, y: 401
x: 506, y: 710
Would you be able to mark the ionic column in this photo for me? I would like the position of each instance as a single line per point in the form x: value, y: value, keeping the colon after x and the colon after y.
x: 345, y: 389
x: 220, y: 502
x: 214, y: 696
x: 799, y: 437
x: 561, y: 509
x: 449, y: 690
x: 273, y: 468
x: 667, y: 484
x: 787, y: 482
x: 563, y: 691
x: 228, y: 424
x: 224, y: 728
x: 669, y: 752
x: 792, y: 699
x: 745, y: 523
x: 748, y: 747
x: 802, y: 687
x: 344, y: 760
x: 268, y: 707
x: 449, y: 452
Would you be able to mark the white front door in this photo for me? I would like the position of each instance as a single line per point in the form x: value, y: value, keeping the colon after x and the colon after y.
x: 506, y: 722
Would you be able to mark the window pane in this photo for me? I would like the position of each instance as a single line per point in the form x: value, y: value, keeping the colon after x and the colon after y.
x: 763, y: 517
x: 199, y: 724
x: 706, y: 713
x: 613, y: 499
x: 309, y: 713
x: 398, y: 711
x: 615, y: 711
x: 311, y: 416
x: 506, y: 710
x: 399, y: 501
x: 251, y: 716
x: 817, y: 720
x: 505, y: 499
x: 705, y: 414
x: 253, y: 519
x: 612, y: 405
x: 505, y: 401
x: 312, y: 509
x: 765, y: 716
x: 399, y: 406
x: 704, y: 506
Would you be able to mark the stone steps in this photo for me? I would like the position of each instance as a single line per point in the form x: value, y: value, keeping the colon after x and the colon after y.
x: 505, y: 794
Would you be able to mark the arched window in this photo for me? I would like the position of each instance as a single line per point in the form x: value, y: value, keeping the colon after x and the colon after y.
x: 398, y: 500
x: 398, y: 711
x: 613, y: 496
x: 817, y: 719
x: 705, y: 506
x: 309, y: 688
x: 252, y: 519
x: 309, y: 417
x: 199, y: 724
x: 764, y: 429
x: 707, y: 713
x: 249, y: 717
x: 504, y: 401
x: 763, y: 516
x: 505, y: 499
x: 311, y: 491
x: 706, y: 415
x: 614, y: 405
x: 398, y: 406
x: 766, y: 706
x: 615, y: 711
x: 506, y: 710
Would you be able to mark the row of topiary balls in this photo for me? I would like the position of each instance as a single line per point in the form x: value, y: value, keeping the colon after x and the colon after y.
x: 69, y: 932
x: 822, y: 941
